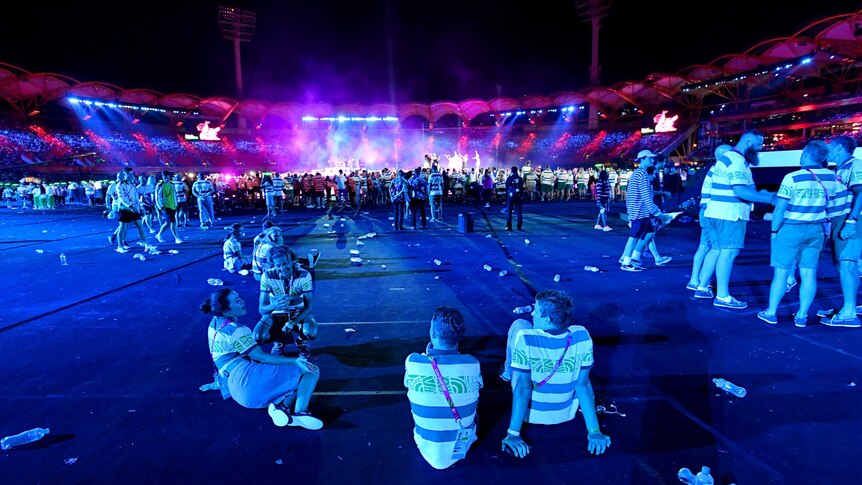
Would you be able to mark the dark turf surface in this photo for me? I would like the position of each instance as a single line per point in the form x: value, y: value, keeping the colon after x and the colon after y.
x: 109, y: 352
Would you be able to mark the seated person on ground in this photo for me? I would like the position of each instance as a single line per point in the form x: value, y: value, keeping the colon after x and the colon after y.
x: 250, y: 376
x: 549, y: 364
x: 445, y: 423
x: 285, y: 295
x: 232, y: 251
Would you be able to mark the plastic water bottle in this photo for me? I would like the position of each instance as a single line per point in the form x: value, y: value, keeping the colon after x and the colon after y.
x: 556, y: 278
x: 63, y: 259
x: 686, y: 476
x: 729, y: 387
x: 704, y: 477
x: 502, y: 273
x: 438, y: 262
x: 30, y: 436
x: 487, y: 267
x: 591, y: 268
x: 523, y: 309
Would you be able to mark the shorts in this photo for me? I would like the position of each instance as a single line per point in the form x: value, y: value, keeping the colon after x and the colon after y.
x: 182, y: 205
x: 797, y: 242
x: 641, y: 228
x: 547, y: 189
x: 704, y: 237
x: 724, y: 234
x: 129, y: 216
x: 170, y: 213
x: 530, y: 186
x: 560, y: 186
x: 844, y: 249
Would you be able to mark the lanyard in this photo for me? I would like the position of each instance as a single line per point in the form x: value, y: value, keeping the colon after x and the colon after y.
x: 817, y: 179
x: 445, y: 391
x: 212, y: 347
x: 568, y: 342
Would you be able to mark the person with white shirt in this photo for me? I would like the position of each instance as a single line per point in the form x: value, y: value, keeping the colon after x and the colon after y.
x: 729, y: 210
x: 203, y: 190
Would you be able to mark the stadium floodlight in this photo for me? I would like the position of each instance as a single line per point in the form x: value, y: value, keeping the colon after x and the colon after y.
x: 238, y: 26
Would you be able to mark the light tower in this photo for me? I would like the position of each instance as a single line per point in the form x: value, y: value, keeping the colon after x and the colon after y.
x: 593, y: 11
x: 237, y: 25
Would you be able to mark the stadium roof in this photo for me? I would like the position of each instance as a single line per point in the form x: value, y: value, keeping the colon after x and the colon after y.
x: 831, y: 42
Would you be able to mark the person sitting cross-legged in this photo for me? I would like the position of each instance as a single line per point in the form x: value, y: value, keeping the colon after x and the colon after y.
x: 549, y: 364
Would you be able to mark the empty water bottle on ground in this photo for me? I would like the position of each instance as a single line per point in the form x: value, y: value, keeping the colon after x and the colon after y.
x: 730, y: 387
x: 556, y: 278
x: 438, y: 262
x: 704, y: 477
x: 23, y: 438
x: 591, y: 268
x: 63, y: 259
x: 523, y: 309
x: 686, y: 476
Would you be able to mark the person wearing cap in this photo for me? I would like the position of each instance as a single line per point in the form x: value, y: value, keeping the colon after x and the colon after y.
x: 729, y: 210
x: 640, y: 208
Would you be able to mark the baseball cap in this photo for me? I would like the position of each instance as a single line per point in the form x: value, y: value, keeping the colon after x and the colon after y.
x: 645, y: 154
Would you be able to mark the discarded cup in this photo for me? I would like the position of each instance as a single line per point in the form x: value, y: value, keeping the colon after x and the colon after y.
x: 526, y: 241
x: 141, y: 257
x: 591, y: 268
x: 438, y: 262
x: 487, y: 267
x: 556, y: 278
x: 215, y: 282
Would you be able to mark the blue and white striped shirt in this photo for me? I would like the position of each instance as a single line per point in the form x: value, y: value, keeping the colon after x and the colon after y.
x: 536, y: 352
x: 435, y: 428
x: 730, y: 170
x: 639, y: 196
x: 807, y: 192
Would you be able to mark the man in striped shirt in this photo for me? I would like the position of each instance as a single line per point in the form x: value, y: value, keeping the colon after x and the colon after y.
x: 641, y: 209
x: 444, y: 425
x: 550, y: 364
x: 703, y: 264
x: 846, y: 242
x: 729, y: 210
x: 799, y: 228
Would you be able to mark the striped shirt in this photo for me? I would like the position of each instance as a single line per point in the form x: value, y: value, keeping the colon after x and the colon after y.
x: 258, y: 258
x: 730, y: 170
x: 180, y: 189
x: 435, y: 428
x: 603, y: 191
x: 228, y: 342
x: 706, y: 188
x: 848, y: 175
x: 547, y: 177
x: 202, y: 189
x: 536, y: 352
x: 231, y: 250
x: 275, y: 286
x: 806, y: 195
x: 435, y: 184
x: 639, y: 199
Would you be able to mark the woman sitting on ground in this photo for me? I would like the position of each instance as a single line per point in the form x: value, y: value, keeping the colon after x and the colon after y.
x: 254, y: 378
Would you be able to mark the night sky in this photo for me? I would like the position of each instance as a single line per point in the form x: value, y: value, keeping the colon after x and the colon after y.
x: 386, y: 51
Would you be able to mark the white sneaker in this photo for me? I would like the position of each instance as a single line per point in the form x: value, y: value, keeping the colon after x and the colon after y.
x: 608, y: 228
x: 279, y: 415
x: 598, y: 226
x: 178, y: 241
